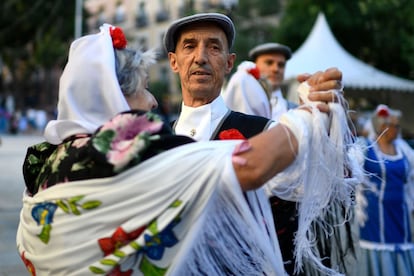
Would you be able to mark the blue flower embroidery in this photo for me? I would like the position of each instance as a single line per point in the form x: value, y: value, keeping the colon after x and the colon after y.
x: 156, y: 244
x: 43, y: 214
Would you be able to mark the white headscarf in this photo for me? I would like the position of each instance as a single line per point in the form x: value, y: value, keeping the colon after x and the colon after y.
x: 89, y: 92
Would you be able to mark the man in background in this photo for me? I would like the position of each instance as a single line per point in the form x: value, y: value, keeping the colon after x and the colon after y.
x: 255, y: 88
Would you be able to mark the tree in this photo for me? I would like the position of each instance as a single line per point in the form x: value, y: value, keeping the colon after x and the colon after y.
x: 378, y: 32
x: 34, y: 39
x: 255, y: 23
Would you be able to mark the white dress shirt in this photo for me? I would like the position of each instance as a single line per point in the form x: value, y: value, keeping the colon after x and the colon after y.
x: 279, y: 104
x: 200, y: 122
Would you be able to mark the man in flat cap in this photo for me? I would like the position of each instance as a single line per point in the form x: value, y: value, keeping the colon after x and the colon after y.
x: 255, y: 88
x: 242, y: 93
x: 199, y: 51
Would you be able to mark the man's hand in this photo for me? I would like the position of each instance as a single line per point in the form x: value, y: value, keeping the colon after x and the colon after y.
x: 323, y: 86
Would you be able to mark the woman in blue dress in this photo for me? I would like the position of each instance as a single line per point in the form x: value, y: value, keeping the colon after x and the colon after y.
x: 385, y: 199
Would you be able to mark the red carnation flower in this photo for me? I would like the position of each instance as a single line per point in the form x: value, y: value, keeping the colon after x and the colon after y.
x: 254, y: 72
x: 118, y: 38
x: 383, y: 111
x: 231, y: 134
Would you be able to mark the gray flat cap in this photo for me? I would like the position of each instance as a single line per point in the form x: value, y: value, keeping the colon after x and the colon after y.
x: 224, y: 22
x: 270, y: 48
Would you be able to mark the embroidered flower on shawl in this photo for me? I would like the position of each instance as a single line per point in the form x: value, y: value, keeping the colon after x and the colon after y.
x: 118, y: 239
x: 118, y: 38
x: 231, y: 134
x: 60, y: 154
x: 155, y: 244
x: 29, y: 265
x: 125, y: 136
x: 117, y: 272
x: 153, y: 247
x: 43, y: 214
x: 254, y: 72
x: 81, y: 141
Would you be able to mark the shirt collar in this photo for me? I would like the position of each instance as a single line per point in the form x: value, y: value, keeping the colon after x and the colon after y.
x: 200, y: 122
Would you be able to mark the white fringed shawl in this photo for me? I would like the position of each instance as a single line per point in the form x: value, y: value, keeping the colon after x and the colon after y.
x: 317, y: 177
x: 218, y: 229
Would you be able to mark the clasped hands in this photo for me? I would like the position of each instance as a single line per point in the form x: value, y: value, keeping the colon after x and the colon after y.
x: 324, y: 86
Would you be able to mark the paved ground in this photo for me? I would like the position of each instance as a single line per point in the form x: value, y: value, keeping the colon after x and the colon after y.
x: 12, y: 152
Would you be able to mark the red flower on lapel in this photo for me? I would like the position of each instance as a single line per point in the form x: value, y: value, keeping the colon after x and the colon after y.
x: 231, y: 134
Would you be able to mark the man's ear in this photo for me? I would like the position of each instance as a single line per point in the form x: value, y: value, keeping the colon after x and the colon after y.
x: 173, y: 62
x: 230, y: 62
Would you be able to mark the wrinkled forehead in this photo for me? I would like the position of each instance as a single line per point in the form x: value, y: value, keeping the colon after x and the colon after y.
x: 202, y: 30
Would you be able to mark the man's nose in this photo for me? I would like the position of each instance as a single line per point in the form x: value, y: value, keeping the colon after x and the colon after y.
x: 201, y: 55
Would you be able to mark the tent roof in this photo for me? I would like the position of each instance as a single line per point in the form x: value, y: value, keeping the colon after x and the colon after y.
x: 321, y: 50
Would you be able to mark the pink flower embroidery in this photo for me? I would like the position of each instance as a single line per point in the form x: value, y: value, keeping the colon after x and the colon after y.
x: 132, y: 135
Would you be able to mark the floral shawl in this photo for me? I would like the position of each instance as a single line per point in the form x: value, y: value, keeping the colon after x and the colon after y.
x: 175, y: 213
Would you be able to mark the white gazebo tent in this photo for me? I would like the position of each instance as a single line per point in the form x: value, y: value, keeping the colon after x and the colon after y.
x: 362, y: 81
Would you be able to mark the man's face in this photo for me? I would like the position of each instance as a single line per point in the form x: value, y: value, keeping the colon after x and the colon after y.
x: 201, y: 60
x: 272, y: 67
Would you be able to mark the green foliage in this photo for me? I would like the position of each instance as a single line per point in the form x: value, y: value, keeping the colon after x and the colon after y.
x: 253, y: 8
x: 379, y: 32
x: 255, y: 23
x: 34, y: 39
x: 42, y: 28
x: 159, y: 89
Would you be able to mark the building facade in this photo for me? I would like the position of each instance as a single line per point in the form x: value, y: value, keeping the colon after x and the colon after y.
x: 144, y: 23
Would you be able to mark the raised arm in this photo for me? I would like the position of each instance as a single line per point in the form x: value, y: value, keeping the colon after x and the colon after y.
x: 272, y: 151
x: 265, y: 155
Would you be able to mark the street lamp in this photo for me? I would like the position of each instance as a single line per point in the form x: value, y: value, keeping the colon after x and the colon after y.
x: 78, y: 18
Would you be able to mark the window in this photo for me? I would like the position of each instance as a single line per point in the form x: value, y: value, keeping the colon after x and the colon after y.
x: 119, y: 13
x: 163, y: 14
x: 142, y: 17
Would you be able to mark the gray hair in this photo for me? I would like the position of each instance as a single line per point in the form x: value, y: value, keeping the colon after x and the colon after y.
x: 131, y: 68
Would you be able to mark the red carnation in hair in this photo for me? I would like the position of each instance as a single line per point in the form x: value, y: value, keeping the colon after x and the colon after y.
x: 118, y: 38
x: 254, y: 72
x: 231, y: 134
x: 382, y: 111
